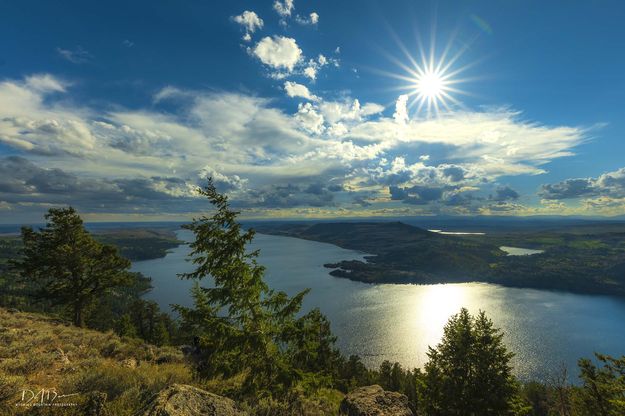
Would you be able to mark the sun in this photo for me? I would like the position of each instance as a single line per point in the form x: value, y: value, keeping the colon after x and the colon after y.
x: 431, y: 81
x: 430, y: 86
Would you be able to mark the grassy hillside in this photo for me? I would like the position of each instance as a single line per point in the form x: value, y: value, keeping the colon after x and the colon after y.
x: 43, y: 352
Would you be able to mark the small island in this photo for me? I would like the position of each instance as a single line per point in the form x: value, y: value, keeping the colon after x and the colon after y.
x: 589, y: 259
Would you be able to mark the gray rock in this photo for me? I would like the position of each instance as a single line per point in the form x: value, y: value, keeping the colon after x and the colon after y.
x: 374, y: 401
x: 183, y: 400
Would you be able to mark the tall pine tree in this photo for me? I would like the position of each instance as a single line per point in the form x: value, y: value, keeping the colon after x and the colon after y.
x: 241, y: 326
x: 603, y: 389
x: 469, y: 372
x: 70, y: 267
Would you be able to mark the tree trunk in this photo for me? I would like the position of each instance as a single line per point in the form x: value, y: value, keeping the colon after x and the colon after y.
x: 78, y: 317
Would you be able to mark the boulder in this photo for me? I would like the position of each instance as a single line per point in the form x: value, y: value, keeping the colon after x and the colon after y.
x: 183, y: 400
x: 374, y: 401
x: 129, y: 363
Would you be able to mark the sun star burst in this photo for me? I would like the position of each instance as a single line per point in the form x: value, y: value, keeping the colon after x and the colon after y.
x: 431, y: 82
x: 431, y: 86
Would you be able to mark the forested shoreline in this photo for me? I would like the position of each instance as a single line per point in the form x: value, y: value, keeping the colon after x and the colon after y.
x: 589, y: 260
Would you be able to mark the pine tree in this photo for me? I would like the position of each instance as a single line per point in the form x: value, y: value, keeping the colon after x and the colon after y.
x: 242, y: 327
x: 312, y: 344
x: 469, y: 372
x: 384, y: 377
x: 603, y: 389
x: 124, y: 327
x: 69, y: 265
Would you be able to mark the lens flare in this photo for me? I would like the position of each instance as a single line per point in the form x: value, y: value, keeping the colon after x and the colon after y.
x: 432, y: 84
x: 431, y: 81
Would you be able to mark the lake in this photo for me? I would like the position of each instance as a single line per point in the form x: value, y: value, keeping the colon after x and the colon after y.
x: 545, y: 329
x: 518, y: 251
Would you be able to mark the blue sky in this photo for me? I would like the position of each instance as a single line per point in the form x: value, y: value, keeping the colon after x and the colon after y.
x: 312, y: 109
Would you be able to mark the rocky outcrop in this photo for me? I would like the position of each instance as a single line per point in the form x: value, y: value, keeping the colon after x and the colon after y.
x: 183, y: 400
x: 374, y: 401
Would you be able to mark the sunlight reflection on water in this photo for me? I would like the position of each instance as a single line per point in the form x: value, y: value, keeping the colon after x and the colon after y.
x: 398, y: 322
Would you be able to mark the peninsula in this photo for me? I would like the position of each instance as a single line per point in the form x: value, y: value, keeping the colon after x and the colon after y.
x: 591, y: 260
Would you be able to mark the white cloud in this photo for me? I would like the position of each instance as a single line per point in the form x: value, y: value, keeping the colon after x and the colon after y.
x: 27, y: 123
x: 314, y: 65
x: 250, y: 144
x: 250, y: 21
x: 278, y: 52
x: 335, y: 111
x: 609, y: 185
x: 227, y: 183
x: 293, y: 89
x: 168, y: 92
x: 312, y: 19
x: 78, y: 55
x: 44, y: 83
x: 337, y: 129
x: 311, y: 72
x: 309, y: 118
x: 401, y: 111
x: 370, y: 109
x: 283, y: 8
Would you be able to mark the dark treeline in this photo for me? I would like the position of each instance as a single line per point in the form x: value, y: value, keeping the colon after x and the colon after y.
x: 276, y: 356
x: 582, y: 260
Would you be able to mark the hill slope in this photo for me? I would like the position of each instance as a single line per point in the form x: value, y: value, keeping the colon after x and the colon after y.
x: 39, y: 352
x: 591, y: 261
x: 399, y: 253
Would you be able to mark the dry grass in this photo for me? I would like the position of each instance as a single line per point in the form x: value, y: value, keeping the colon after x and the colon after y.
x: 39, y: 352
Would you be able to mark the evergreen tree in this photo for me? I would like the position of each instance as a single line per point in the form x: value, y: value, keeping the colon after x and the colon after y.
x: 150, y: 323
x: 397, y: 379
x: 69, y: 266
x: 124, y: 327
x: 352, y: 373
x: 312, y: 344
x: 241, y: 326
x: 603, y: 389
x: 469, y: 373
x: 384, y: 376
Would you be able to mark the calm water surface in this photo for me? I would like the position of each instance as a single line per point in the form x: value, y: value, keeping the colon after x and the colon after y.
x: 518, y: 251
x: 397, y: 322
